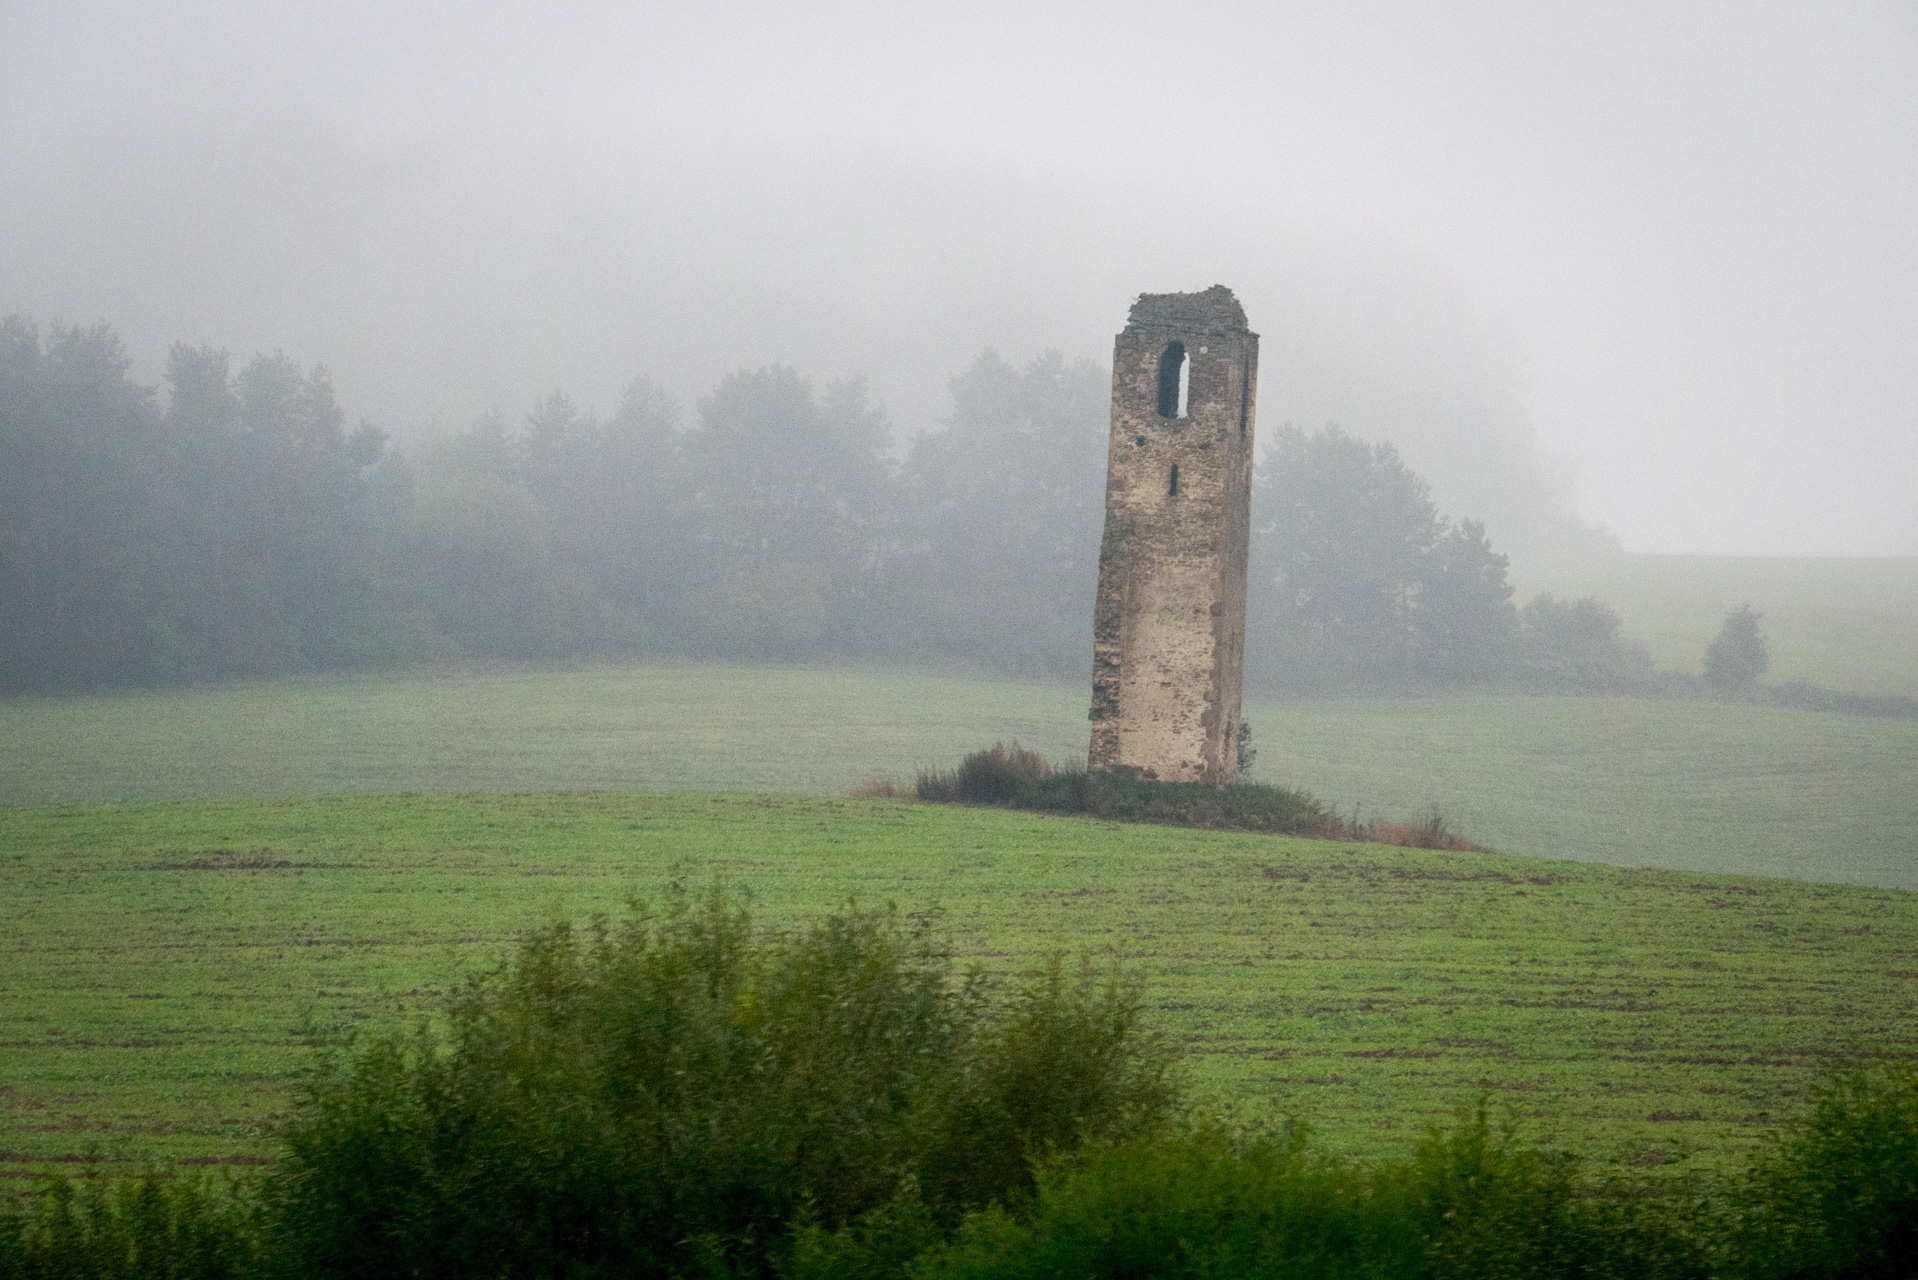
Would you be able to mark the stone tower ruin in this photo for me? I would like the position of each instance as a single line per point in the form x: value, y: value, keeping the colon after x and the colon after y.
x: 1168, y: 637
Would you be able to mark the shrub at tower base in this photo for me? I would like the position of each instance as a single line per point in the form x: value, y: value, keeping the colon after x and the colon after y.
x: 1017, y: 777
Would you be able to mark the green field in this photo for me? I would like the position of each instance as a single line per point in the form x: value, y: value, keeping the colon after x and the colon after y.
x: 1684, y: 785
x: 1689, y: 785
x: 1849, y: 624
x: 161, y: 957
x: 170, y: 926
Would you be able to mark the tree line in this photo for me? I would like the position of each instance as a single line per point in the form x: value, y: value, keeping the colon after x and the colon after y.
x: 235, y: 526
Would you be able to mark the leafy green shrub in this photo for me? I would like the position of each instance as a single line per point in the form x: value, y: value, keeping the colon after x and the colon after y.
x: 1195, y: 1205
x: 1840, y: 1199
x: 150, y: 1229
x: 1487, y: 1209
x: 999, y: 775
x: 684, y: 1091
x: 1039, y: 1150
x: 1205, y: 1205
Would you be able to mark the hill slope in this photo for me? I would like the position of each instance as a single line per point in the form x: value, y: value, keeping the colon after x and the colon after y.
x: 1688, y: 785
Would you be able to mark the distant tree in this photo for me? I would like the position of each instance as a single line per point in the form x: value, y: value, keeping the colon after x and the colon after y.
x: 757, y: 534
x: 1003, y: 511
x: 306, y: 478
x: 627, y: 522
x: 549, y: 448
x: 232, y: 534
x: 1576, y: 647
x: 1344, y: 527
x: 1465, y: 631
x: 489, y: 447
x: 1357, y: 579
x: 78, y: 567
x: 788, y: 492
x: 565, y: 534
x: 492, y: 585
x: 274, y: 558
x: 217, y: 501
x: 1737, y: 656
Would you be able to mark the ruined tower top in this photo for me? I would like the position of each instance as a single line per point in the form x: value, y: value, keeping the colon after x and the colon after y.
x: 1213, y: 310
x: 1169, y: 624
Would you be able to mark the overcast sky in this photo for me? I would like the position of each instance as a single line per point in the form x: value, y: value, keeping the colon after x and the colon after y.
x: 1674, y: 245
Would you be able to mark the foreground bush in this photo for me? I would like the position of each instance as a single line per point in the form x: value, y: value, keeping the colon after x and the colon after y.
x: 1195, y: 1205
x: 150, y: 1229
x: 686, y: 1095
x: 676, y: 1094
x: 1204, y: 1204
x: 1841, y: 1197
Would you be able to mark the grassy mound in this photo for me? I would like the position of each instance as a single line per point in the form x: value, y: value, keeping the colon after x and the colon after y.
x: 1018, y: 778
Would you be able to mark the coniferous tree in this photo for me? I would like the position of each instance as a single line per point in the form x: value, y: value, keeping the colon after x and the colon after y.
x: 1737, y: 655
x: 228, y: 535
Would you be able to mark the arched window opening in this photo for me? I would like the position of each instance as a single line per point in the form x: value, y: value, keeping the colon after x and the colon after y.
x: 1172, y: 381
x: 1172, y: 489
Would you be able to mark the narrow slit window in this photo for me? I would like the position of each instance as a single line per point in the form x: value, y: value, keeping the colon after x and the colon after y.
x: 1172, y: 486
x: 1172, y: 381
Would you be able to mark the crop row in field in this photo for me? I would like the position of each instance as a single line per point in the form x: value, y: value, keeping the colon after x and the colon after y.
x: 162, y: 958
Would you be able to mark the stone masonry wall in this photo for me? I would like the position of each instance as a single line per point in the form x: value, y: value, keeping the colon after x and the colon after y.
x: 1169, y: 625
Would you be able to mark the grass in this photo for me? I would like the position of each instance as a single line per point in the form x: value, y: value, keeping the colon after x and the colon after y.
x: 1696, y: 786
x: 163, y: 956
x: 1684, y: 785
x: 662, y: 727
x: 168, y: 932
x: 1843, y: 623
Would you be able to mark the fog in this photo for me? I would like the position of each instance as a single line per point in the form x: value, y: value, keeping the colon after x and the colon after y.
x: 1651, y: 268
